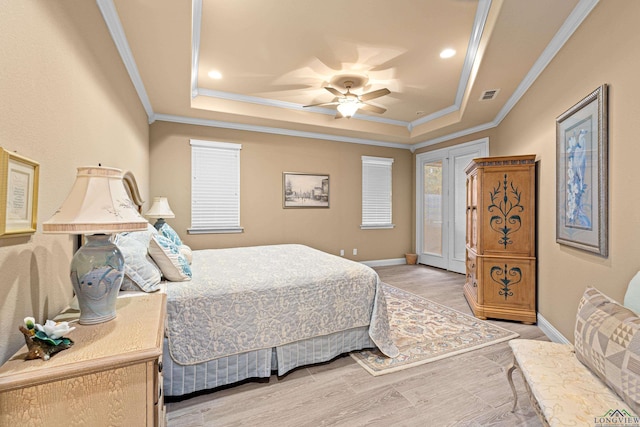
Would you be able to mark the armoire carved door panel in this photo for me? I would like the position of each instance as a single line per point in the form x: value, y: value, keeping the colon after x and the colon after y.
x: 501, y: 263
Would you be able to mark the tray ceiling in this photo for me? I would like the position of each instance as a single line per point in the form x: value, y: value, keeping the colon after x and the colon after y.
x: 275, y: 56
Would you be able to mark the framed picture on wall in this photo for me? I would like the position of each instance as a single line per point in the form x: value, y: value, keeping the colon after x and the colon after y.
x: 581, y: 174
x: 305, y: 190
x: 18, y: 194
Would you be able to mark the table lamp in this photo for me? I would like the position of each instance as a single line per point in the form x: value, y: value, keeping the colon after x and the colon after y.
x: 160, y: 209
x: 96, y: 206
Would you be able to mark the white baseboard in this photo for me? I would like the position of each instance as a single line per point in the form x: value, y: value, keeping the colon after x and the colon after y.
x: 385, y: 262
x: 551, y: 332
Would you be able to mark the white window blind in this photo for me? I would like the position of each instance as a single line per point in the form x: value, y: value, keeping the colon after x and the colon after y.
x: 376, y: 192
x: 215, y: 187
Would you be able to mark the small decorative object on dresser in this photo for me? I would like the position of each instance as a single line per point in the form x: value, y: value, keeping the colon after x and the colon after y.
x: 112, y: 376
x: 500, y: 243
x: 45, y: 341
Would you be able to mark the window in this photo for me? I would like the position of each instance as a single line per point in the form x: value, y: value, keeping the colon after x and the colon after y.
x: 376, y: 192
x: 215, y: 187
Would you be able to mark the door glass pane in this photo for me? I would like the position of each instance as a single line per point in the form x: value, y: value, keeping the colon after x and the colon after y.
x: 432, y: 225
x: 460, y: 205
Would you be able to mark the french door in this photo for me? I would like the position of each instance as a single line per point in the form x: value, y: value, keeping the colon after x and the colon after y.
x: 441, y: 204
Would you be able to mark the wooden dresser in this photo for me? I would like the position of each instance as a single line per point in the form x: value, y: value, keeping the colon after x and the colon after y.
x: 111, y: 376
x: 500, y: 243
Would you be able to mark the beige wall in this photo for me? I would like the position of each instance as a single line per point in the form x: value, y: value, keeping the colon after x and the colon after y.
x: 66, y: 101
x: 603, y: 50
x: 599, y: 52
x: 263, y: 159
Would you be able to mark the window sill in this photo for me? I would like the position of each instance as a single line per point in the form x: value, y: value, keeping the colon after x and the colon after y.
x: 221, y: 230
x: 376, y: 226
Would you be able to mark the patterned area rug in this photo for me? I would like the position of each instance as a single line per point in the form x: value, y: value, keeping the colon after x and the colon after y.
x: 425, y: 331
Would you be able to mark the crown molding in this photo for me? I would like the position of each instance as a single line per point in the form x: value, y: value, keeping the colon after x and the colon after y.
x: 479, y: 24
x: 196, y: 27
x: 111, y: 18
x: 433, y: 116
x: 277, y: 131
x: 577, y: 15
x: 474, y: 42
x: 472, y: 51
x: 289, y: 105
x: 454, y: 135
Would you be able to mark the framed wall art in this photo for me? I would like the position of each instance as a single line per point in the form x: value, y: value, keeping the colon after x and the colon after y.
x: 305, y: 190
x: 18, y: 194
x: 582, y: 174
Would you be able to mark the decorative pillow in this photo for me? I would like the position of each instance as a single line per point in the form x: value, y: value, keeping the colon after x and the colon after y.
x: 140, y: 271
x: 172, y: 263
x: 632, y: 297
x: 186, y: 251
x: 607, y: 341
x: 170, y: 234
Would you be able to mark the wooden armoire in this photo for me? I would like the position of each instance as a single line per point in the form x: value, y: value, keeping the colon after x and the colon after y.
x: 501, y: 238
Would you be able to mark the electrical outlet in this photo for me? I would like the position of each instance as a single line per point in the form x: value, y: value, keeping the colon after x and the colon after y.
x: 341, y: 252
x: 355, y: 252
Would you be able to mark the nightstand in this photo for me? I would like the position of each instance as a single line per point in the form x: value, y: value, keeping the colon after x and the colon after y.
x: 112, y: 376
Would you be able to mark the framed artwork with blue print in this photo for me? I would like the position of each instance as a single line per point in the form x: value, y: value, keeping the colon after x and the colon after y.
x: 582, y: 174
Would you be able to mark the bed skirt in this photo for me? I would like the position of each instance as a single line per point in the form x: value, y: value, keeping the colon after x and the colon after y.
x: 181, y: 379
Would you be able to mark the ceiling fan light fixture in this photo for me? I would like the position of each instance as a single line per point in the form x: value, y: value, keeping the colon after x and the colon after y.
x: 348, y: 107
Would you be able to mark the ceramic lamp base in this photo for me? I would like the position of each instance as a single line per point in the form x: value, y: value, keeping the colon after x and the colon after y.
x: 159, y: 223
x: 97, y: 270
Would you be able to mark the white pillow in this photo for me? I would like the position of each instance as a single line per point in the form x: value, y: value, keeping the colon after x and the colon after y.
x: 172, y: 263
x: 632, y: 297
x: 187, y: 252
x: 140, y: 271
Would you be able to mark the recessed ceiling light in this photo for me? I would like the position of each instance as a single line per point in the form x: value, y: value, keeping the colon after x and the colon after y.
x: 215, y: 74
x: 447, y: 53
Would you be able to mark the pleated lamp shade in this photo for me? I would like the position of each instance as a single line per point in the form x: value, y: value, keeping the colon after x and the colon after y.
x: 160, y: 209
x: 97, y: 203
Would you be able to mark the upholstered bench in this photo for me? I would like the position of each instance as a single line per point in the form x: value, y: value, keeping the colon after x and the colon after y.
x: 596, y: 380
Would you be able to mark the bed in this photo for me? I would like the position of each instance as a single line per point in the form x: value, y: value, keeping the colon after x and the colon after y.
x: 248, y: 312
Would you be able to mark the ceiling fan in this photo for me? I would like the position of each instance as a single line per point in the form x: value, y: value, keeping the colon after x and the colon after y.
x: 348, y: 103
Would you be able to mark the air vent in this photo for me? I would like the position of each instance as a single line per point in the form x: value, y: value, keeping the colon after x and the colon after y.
x: 488, y: 95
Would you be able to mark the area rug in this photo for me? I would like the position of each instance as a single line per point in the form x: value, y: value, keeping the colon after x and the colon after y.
x: 425, y: 331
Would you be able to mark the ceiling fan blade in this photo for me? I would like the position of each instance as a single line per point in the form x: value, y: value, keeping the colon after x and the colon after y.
x: 334, y: 91
x: 372, y: 108
x: 374, y: 94
x: 338, y: 115
x: 321, y: 104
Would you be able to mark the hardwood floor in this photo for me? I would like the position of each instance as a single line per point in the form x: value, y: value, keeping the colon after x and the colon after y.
x: 470, y: 389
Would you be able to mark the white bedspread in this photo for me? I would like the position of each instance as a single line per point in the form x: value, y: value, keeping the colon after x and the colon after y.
x: 244, y: 299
